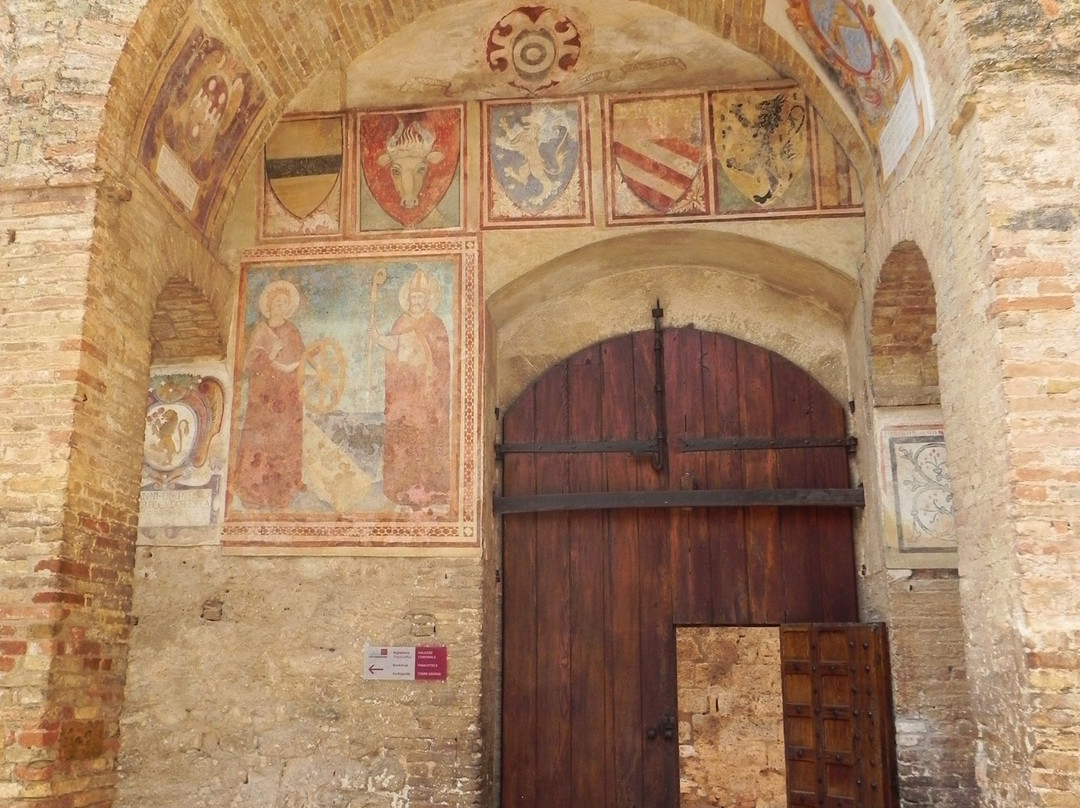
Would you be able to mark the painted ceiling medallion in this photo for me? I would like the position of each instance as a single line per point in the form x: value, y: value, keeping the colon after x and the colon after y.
x: 533, y: 48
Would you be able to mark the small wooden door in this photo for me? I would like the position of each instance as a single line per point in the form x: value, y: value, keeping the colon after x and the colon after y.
x: 591, y: 598
x: 838, y: 727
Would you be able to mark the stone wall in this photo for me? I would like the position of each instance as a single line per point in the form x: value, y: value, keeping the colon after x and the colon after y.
x: 247, y: 686
x: 731, y: 732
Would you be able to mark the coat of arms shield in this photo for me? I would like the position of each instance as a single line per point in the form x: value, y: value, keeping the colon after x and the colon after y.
x: 303, y: 163
x: 659, y: 150
x: 410, y: 160
x: 761, y: 141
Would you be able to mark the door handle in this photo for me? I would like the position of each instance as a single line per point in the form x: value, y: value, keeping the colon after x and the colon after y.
x: 666, y: 728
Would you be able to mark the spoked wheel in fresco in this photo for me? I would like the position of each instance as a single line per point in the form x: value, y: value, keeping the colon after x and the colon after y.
x: 324, y: 375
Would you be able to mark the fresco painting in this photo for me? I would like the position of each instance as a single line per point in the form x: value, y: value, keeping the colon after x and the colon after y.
x: 878, y: 78
x: 355, y: 394
x: 534, y: 171
x: 916, y: 487
x: 767, y: 155
x: 658, y: 152
x: 302, y: 178
x: 410, y: 165
x: 206, y: 105
x: 181, y: 495
x: 836, y: 182
x: 533, y: 48
x: 762, y: 143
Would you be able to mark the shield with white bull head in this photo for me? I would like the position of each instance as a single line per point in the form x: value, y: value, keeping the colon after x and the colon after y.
x: 410, y: 160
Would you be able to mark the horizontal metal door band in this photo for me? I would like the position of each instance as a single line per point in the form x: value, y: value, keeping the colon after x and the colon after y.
x: 634, y: 447
x: 710, y: 498
x: 647, y: 447
x: 731, y: 444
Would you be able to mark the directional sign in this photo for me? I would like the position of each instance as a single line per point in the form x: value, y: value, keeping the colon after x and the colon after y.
x: 405, y: 662
x: 431, y: 663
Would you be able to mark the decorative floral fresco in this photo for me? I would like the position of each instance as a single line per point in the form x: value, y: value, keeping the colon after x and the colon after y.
x: 356, y: 398
x: 916, y: 487
x: 206, y: 105
x: 183, y: 457
x: 535, y: 169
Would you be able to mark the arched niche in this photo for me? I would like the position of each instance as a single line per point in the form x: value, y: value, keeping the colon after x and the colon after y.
x: 184, y: 326
x: 903, y: 353
x: 749, y: 289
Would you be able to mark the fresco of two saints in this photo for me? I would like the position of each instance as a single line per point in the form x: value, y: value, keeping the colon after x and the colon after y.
x: 348, y: 391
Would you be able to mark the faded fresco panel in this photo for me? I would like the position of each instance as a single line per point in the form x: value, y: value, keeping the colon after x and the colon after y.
x: 206, y: 105
x: 837, y: 182
x: 916, y: 488
x: 410, y: 175
x: 657, y: 154
x: 356, y: 399
x: 762, y: 139
x: 182, y: 493
x: 863, y: 47
x: 302, y: 180
x: 535, y: 163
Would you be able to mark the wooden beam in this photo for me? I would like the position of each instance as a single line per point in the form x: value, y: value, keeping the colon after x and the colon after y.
x: 715, y: 498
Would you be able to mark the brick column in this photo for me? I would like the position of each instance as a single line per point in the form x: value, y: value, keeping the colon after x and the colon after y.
x: 1031, y: 133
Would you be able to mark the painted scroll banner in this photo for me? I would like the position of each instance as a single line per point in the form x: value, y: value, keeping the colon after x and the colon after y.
x: 356, y: 399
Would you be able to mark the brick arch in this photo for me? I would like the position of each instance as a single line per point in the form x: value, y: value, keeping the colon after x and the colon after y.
x: 79, y: 593
x: 903, y: 355
x: 184, y: 325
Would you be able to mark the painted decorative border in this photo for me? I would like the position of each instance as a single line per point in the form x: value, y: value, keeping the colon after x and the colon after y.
x: 399, y: 530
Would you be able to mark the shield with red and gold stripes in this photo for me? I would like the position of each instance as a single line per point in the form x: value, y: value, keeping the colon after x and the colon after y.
x: 659, y: 150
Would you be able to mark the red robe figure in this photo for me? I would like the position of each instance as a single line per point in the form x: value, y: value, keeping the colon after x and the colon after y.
x: 417, y: 461
x: 269, y: 466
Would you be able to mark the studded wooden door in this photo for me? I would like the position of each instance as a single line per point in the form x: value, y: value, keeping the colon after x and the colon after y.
x: 592, y: 594
x: 837, y: 716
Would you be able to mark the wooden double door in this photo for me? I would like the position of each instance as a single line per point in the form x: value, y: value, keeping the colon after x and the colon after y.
x: 599, y: 569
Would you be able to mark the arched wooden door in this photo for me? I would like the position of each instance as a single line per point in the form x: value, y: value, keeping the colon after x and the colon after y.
x: 592, y: 594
